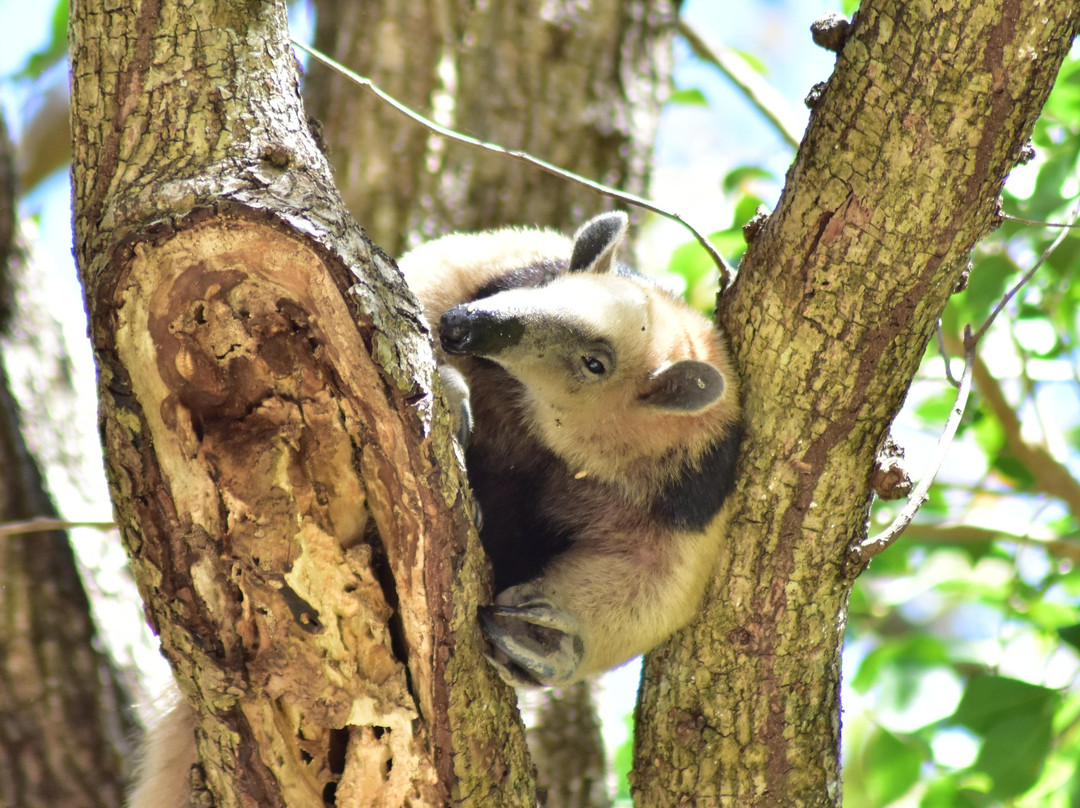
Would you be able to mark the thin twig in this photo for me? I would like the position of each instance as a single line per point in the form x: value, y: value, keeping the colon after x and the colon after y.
x: 43, y: 524
x: 630, y: 199
x: 1027, y: 276
x: 860, y: 553
x: 961, y: 534
x: 945, y: 356
x: 1038, y: 223
x: 761, y: 95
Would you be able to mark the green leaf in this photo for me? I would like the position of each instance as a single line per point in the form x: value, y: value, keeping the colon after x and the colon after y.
x: 691, y: 96
x: 992, y: 700
x: 1071, y: 635
x: 935, y: 409
x: 891, y: 767
x: 1009, y: 466
x: 738, y: 177
x: 908, y: 654
x: 753, y: 60
x: 55, y: 51
x: 946, y: 793
x: 1051, y: 616
x: 690, y: 260
x: 745, y: 210
x: 990, y: 277
x: 623, y: 761
x: 1014, y: 752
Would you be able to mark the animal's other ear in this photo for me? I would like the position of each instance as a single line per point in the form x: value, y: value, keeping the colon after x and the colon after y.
x: 595, y: 243
x: 687, y: 386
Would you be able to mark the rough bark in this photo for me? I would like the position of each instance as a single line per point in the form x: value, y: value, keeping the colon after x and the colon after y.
x: 64, y: 722
x: 285, y: 484
x: 577, y: 84
x: 896, y: 179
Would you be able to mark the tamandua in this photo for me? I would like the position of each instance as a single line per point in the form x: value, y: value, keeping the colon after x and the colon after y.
x: 605, y: 432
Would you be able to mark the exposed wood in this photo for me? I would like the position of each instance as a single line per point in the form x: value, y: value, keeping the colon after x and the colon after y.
x: 374, y: 147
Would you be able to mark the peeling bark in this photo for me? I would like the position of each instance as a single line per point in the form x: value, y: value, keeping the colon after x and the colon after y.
x: 896, y: 179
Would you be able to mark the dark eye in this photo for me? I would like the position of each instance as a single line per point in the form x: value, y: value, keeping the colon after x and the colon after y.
x: 594, y: 365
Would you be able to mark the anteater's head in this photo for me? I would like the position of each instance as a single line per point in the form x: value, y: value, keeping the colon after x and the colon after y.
x: 614, y: 370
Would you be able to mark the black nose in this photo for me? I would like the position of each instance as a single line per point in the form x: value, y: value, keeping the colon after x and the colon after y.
x: 455, y: 331
x: 469, y: 330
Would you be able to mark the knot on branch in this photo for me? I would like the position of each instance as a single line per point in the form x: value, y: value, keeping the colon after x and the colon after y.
x: 831, y: 31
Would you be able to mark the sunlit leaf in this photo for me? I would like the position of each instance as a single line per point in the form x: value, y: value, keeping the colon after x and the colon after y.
x: 690, y: 96
x: 55, y: 51
x: 946, y: 793
x: 690, y: 260
x: 753, y: 60
x: 745, y: 209
x: 738, y: 177
x: 623, y: 761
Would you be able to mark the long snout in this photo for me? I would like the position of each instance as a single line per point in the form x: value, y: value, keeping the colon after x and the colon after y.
x: 467, y: 330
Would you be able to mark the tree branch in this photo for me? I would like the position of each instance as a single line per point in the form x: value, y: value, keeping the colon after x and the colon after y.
x: 761, y: 95
x: 860, y: 554
x: 43, y: 524
x: 726, y: 271
x: 1027, y: 275
x: 964, y: 534
x: 1051, y: 476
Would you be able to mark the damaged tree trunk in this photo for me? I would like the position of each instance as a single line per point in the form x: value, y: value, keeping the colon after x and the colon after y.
x: 284, y: 481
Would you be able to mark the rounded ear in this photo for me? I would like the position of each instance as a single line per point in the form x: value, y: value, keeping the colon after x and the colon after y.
x: 687, y: 386
x: 595, y: 243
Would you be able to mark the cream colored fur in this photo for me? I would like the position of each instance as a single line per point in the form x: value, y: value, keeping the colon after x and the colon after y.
x: 161, y: 776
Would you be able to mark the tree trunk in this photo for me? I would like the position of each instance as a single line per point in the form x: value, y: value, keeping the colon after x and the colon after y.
x: 897, y: 178
x: 580, y: 86
x: 64, y: 717
x: 252, y: 403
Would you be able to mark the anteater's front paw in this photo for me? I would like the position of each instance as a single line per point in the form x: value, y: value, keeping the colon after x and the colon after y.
x: 535, y: 642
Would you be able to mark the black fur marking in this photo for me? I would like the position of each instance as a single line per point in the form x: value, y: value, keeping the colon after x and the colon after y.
x: 466, y: 333
x: 690, y: 501
x: 532, y: 276
x: 597, y: 237
x: 518, y: 538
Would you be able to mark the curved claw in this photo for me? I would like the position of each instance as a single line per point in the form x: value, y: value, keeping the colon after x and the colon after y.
x: 458, y: 398
x: 539, y: 643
